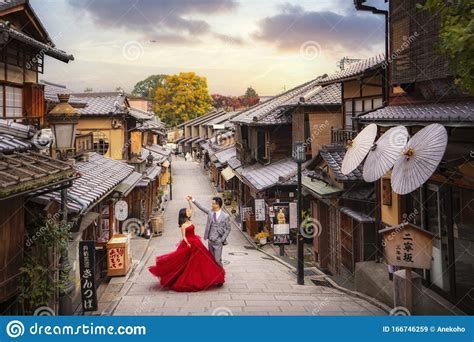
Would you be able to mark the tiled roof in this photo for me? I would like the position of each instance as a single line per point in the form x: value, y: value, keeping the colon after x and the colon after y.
x: 234, y: 163
x: 9, y: 143
x: 208, y: 116
x: 319, y: 188
x: 99, y: 176
x: 319, y: 96
x: 358, y: 216
x: 159, y: 149
x: 355, y: 69
x: 129, y: 183
x: 333, y: 155
x: 102, y: 104
x: 222, y: 119
x: 272, y: 112
x: 51, y: 91
x: 48, y: 50
x: 458, y: 112
x: 262, y: 177
x: 152, y: 124
x: 224, y: 156
x: 140, y: 114
x: 23, y: 172
x: 15, y: 129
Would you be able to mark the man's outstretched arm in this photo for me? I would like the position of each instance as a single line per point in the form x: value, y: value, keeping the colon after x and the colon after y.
x: 199, y: 205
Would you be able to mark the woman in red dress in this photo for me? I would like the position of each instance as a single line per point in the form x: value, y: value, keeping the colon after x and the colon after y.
x: 191, y: 266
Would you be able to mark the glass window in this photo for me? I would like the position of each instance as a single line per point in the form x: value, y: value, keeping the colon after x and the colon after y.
x: 348, y: 106
x: 348, y: 121
x: 13, y: 101
x: 367, y: 105
x: 358, y: 106
x: 378, y: 103
x: 101, y: 142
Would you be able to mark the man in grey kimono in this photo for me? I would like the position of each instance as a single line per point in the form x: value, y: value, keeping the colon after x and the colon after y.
x: 217, y: 227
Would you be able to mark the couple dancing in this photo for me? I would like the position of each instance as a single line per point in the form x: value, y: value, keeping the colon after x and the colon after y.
x: 193, y: 267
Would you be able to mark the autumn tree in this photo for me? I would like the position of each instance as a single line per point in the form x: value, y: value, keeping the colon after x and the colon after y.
x: 250, y: 98
x: 181, y: 98
x: 147, y: 87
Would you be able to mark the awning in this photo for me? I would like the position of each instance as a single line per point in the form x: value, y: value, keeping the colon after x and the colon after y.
x: 228, y: 173
x: 319, y: 188
x: 87, y: 220
x: 358, y: 216
x: 129, y: 183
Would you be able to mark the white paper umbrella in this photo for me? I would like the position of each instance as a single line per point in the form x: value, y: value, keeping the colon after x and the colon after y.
x: 358, y: 148
x: 385, y: 153
x: 419, y: 159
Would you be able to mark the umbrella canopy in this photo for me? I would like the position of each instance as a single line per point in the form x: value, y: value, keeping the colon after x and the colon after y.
x: 358, y: 148
x: 419, y: 159
x: 385, y: 153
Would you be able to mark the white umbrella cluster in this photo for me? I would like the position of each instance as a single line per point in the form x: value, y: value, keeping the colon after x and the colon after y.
x: 413, y: 160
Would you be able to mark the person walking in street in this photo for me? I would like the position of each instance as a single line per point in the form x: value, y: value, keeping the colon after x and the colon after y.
x: 191, y: 267
x: 217, y: 227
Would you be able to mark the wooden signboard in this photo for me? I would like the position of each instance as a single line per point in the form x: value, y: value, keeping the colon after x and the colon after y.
x: 118, y: 255
x: 259, y: 209
x: 86, y: 269
x: 281, y: 224
x: 407, y: 245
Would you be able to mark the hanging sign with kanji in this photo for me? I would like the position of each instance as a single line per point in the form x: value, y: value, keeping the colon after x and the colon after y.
x: 407, y: 245
x: 86, y: 269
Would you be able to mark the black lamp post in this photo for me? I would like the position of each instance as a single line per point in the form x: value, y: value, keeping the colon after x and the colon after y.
x: 63, y: 120
x: 299, y: 155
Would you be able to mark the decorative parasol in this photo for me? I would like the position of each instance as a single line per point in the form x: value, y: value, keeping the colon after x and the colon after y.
x: 358, y: 148
x: 384, y: 153
x: 419, y: 159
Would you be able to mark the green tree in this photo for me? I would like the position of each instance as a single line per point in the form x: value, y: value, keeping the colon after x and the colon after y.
x: 456, y: 37
x: 250, y: 92
x: 147, y: 87
x: 183, y: 97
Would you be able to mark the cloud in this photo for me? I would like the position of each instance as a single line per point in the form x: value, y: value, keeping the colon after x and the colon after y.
x: 293, y: 26
x: 157, y: 20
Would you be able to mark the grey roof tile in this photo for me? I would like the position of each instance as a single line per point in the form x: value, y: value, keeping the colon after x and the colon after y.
x: 9, y: 143
x: 355, y: 69
x: 224, y: 156
x: 460, y: 112
x: 333, y: 155
x: 99, y: 176
x: 262, y: 177
x: 102, y: 104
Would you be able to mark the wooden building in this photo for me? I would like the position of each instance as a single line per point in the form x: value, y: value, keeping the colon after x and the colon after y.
x: 422, y: 92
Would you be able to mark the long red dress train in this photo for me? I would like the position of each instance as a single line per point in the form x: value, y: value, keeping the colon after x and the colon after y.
x: 188, y: 269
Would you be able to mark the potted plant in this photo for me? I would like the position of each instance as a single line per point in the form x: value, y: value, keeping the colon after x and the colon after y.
x: 262, y: 238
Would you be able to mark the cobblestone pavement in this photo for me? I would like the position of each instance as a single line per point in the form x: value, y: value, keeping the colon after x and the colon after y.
x: 255, y: 283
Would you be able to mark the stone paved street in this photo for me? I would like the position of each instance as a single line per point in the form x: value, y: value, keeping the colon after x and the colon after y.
x: 255, y: 284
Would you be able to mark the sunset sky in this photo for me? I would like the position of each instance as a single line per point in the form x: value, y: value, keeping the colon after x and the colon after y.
x: 269, y: 45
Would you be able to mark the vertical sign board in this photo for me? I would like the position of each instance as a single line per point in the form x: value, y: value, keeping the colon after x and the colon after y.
x: 293, y: 215
x: 86, y: 269
x: 259, y: 209
x: 281, y: 224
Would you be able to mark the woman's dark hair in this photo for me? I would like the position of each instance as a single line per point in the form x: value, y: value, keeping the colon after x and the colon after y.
x: 182, y: 217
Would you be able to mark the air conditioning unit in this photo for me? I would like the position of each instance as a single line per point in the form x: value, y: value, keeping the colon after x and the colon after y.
x: 116, y: 123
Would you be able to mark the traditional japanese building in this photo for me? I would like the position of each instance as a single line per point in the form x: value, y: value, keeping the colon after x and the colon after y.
x: 421, y: 92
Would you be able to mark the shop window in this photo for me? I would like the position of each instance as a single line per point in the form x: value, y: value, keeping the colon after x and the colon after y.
x: 101, y: 143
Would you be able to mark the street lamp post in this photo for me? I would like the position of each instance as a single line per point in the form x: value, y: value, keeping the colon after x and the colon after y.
x: 299, y: 154
x: 63, y: 120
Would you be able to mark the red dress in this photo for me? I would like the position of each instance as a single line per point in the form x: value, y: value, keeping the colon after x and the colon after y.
x: 188, y: 269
